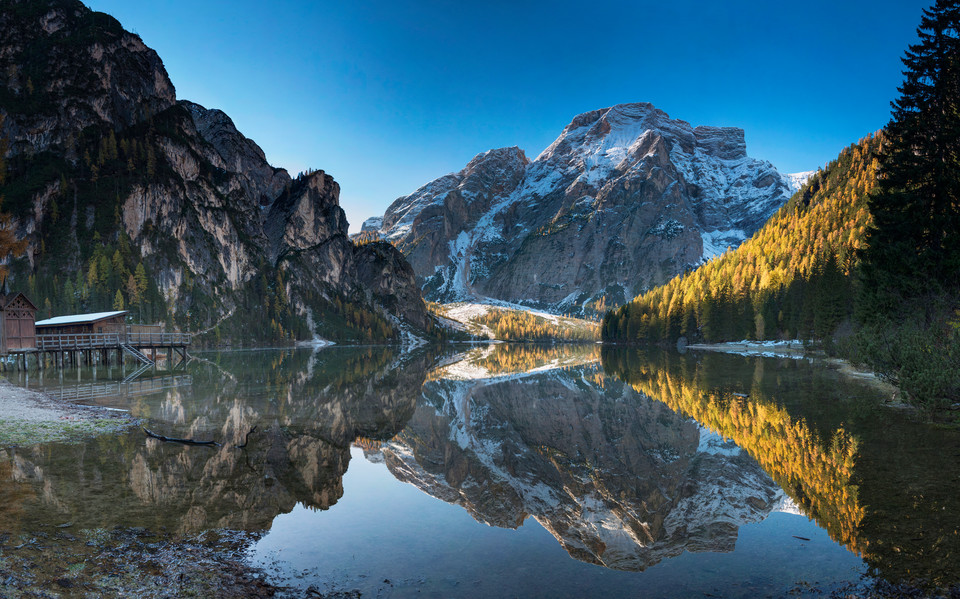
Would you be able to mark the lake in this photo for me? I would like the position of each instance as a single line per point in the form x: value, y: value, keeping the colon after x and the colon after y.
x: 512, y: 471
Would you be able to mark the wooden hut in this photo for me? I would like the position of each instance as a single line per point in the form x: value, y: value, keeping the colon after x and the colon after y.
x: 17, y: 317
x: 85, y: 324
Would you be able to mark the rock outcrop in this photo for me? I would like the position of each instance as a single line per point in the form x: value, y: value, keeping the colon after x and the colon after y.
x: 102, y: 153
x: 66, y: 68
x: 623, y: 200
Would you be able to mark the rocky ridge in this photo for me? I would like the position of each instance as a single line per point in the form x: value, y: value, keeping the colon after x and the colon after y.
x: 101, y: 151
x: 623, y: 200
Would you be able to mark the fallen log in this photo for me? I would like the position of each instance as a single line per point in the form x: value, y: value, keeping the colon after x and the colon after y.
x: 184, y: 441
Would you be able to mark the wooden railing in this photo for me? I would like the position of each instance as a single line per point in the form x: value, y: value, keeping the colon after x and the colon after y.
x: 81, y: 341
x: 158, y: 339
x: 77, y: 341
x: 97, y: 390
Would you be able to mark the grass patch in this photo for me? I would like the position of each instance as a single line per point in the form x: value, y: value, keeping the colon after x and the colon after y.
x: 24, y: 432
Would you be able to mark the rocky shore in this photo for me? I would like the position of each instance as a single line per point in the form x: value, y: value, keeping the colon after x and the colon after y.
x: 28, y: 417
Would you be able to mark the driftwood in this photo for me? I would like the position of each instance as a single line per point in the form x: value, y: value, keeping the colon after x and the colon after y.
x: 184, y: 441
x: 195, y: 442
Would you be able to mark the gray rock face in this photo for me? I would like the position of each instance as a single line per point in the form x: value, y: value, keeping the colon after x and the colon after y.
x: 206, y: 210
x: 623, y: 200
x: 620, y: 480
x: 307, y: 232
x: 67, y: 68
x: 239, y: 154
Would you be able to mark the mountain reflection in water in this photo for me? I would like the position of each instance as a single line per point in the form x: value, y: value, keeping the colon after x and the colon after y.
x: 619, y: 480
x: 307, y: 411
x: 626, y: 457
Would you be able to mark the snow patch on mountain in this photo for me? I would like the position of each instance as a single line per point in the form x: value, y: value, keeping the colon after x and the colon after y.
x: 622, y: 200
x: 374, y: 223
x: 797, y: 180
x: 714, y: 444
x: 716, y: 243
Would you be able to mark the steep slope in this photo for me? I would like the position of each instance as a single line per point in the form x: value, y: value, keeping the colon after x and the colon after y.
x: 164, y: 206
x: 623, y: 200
x: 788, y: 280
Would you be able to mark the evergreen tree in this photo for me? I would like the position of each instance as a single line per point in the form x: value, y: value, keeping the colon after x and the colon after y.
x: 915, y: 241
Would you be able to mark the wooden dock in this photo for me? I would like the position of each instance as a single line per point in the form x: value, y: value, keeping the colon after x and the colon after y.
x: 75, y: 349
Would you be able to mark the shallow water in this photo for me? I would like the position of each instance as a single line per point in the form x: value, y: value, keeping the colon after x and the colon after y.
x: 513, y: 471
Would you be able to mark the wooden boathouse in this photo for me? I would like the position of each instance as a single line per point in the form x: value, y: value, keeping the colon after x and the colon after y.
x: 83, y: 338
x: 17, y: 317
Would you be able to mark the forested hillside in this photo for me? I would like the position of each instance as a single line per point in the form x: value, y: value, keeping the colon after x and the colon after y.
x: 790, y: 280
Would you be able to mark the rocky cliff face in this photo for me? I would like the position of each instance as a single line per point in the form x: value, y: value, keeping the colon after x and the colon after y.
x: 102, y: 155
x: 618, y: 479
x: 67, y: 68
x: 623, y: 200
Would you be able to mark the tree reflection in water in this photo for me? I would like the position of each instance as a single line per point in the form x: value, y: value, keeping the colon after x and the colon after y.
x: 880, y: 482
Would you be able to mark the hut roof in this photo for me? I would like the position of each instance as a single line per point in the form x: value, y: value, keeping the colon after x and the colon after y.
x: 78, y: 318
x: 7, y: 298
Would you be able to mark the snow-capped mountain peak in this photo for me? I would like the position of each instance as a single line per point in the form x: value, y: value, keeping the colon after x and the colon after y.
x: 622, y: 200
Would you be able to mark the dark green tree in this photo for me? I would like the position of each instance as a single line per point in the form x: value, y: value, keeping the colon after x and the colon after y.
x: 915, y: 240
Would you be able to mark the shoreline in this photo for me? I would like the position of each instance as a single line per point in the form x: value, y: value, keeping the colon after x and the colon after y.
x: 29, y: 417
x: 795, y: 350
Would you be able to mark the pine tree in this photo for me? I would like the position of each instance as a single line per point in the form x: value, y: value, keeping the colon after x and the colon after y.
x: 915, y: 240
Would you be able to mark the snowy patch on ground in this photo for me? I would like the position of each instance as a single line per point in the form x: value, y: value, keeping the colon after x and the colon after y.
x: 466, y: 366
x: 468, y: 313
x: 793, y: 349
x: 315, y: 343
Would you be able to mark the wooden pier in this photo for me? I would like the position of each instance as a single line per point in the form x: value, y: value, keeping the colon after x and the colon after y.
x: 75, y: 349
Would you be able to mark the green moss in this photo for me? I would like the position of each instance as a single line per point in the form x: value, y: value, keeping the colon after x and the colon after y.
x: 22, y: 432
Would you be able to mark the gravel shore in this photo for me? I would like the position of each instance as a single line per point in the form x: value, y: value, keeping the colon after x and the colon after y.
x: 28, y: 417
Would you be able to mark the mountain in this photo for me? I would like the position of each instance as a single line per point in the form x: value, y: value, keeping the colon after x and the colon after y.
x: 623, y: 200
x: 163, y: 206
x: 789, y: 280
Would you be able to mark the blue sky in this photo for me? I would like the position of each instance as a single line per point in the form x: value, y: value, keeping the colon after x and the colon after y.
x: 387, y: 95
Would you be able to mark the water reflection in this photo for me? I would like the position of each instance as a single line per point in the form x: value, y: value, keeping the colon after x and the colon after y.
x: 815, y: 471
x: 626, y: 457
x: 306, y: 411
x: 880, y: 482
x: 619, y: 480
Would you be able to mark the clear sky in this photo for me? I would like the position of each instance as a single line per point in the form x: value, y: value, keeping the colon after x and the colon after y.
x: 388, y: 95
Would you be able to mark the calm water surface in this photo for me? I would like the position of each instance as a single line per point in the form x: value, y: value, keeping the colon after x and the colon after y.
x: 513, y: 471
